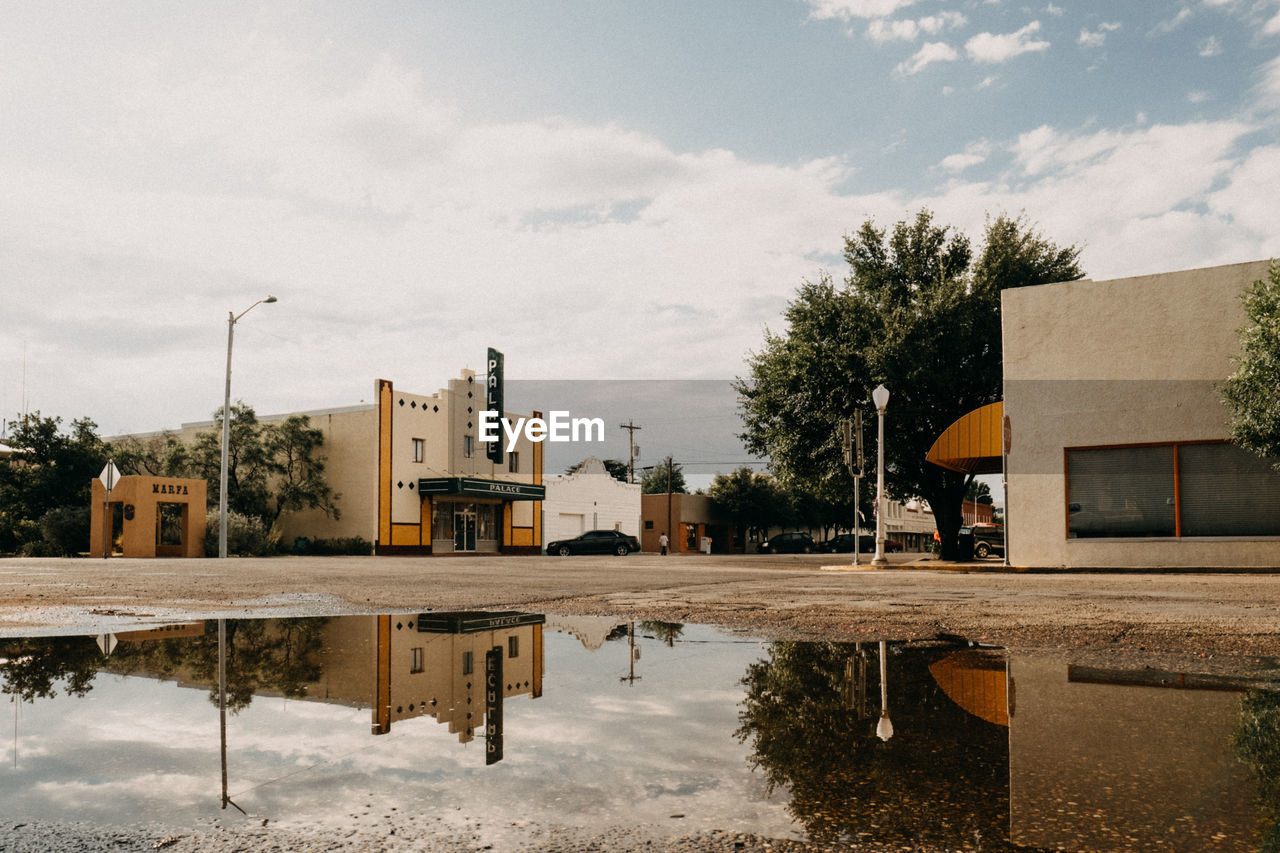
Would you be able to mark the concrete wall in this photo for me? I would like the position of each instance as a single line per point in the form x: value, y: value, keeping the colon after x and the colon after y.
x: 589, y: 499
x: 1134, y: 360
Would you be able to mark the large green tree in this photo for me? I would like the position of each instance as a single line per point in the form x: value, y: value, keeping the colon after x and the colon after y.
x: 51, y: 470
x: 918, y: 313
x: 1252, y: 393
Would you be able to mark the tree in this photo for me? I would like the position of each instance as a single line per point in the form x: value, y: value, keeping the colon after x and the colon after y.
x: 918, y: 314
x: 1252, y: 393
x: 248, y: 462
x: 51, y: 470
x: 271, y: 468
x: 161, y: 455
x: 979, y: 492
x: 666, y: 476
x: 293, y: 448
x: 753, y: 502
x: 618, y: 470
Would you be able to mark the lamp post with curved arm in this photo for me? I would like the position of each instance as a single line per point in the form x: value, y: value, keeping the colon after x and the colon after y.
x: 226, y: 427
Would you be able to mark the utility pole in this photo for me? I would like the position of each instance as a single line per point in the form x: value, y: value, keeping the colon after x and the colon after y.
x: 631, y: 449
x: 670, y: 532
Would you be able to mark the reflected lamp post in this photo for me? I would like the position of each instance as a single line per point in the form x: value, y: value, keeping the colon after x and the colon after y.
x: 884, y: 728
x: 880, y: 397
x: 226, y: 427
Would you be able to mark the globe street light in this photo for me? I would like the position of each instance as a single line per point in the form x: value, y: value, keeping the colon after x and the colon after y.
x: 226, y: 428
x: 880, y: 397
x: 884, y: 728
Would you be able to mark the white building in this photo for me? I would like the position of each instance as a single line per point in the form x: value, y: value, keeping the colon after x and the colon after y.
x: 589, y: 499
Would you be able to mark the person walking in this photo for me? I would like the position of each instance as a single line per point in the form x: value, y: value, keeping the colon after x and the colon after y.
x: 662, y: 542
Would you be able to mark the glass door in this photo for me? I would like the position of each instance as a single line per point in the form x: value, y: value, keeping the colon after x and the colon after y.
x: 464, y: 529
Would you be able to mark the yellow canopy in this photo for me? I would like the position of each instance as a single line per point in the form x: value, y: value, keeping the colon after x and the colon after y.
x: 972, y: 444
x: 975, y: 680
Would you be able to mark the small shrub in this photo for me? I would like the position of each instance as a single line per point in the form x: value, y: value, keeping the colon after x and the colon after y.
x: 247, y: 536
x: 342, y: 546
x: 64, y: 532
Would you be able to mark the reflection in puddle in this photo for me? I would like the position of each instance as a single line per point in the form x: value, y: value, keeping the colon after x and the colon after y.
x: 587, y: 722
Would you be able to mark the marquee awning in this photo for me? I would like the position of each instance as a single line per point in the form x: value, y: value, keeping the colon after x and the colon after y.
x: 477, y: 488
x: 973, y: 444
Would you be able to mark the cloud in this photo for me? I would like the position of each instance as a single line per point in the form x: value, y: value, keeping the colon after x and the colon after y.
x: 1056, y: 11
x: 1096, y: 38
x: 1211, y: 46
x: 988, y: 47
x: 1171, y: 24
x: 1198, y: 96
x: 847, y: 10
x: 1268, y: 87
x: 882, y: 30
x: 1272, y: 27
x: 974, y: 153
x: 931, y: 52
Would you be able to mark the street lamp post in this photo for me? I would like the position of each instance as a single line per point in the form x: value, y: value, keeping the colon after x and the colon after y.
x: 880, y: 397
x: 226, y: 428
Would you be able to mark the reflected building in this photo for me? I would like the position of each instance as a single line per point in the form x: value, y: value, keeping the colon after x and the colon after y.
x: 1098, y: 757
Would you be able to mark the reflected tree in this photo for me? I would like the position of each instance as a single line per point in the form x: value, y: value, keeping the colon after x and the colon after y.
x: 1257, y: 744
x: 31, y: 667
x: 667, y: 632
x: 942, y: 779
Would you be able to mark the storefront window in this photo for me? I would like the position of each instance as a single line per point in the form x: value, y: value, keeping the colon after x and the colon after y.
x: 1204, y: 489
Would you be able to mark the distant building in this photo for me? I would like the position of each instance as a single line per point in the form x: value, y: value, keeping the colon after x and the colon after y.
x: 589, y: 499
x: 413, y: 477
x: 687, y: 520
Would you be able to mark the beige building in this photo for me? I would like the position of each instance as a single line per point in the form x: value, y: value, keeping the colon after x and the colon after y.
x: 1118, y: 452
x: 413, y: 476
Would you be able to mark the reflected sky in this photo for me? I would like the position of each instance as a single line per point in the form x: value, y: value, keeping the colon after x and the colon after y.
x: 682, y: 729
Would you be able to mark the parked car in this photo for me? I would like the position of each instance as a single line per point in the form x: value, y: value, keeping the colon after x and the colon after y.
x: 595, y: 542
x: 788, y: 543
x: 842, y: 543
x: 987, y: 539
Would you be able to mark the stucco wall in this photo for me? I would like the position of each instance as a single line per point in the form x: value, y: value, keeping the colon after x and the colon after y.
x: 589, y: 499
x: 1126, y: 361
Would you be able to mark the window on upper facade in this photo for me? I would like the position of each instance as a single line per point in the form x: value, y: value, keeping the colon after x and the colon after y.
x: 419, y: 450
x: 1169, y: 490
x: 513, y: 647
x: 513, y: 462
x: 468, y: 663
x: 468, y: 446
x: 416, y: 665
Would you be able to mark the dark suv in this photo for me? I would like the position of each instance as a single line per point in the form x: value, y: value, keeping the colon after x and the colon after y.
x: 788, y: 543
x: 595, y: 542
x: 987, y: 539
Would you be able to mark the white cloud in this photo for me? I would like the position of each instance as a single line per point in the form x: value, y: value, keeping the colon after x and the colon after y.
x: 846, y: 10
x: 1171, y: 24
x: 974, y: 153
x: 989, y: 47
x: 1268, y: 87
x: 882, y: 30
x: 1272, y: 26
x: 1198, y: 96
x: 1096, y: 38
x: 1211, y: 46
x: 1056, y: 11
x: 931, y: 52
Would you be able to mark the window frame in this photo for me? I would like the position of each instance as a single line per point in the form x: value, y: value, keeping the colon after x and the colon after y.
x: 1173, y: 447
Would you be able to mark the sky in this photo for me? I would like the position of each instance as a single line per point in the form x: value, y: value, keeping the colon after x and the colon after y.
x: 601, y: 190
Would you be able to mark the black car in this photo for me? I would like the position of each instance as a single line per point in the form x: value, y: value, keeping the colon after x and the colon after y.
x: 788, y: 543
x: 987, y: 539
x: 595, y: 542
x: 842, y: 543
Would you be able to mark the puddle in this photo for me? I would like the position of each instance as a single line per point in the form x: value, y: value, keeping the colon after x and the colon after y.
x: 678, y: 728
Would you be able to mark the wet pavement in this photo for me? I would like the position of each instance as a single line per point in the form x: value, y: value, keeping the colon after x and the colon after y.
x: 522, y: 730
